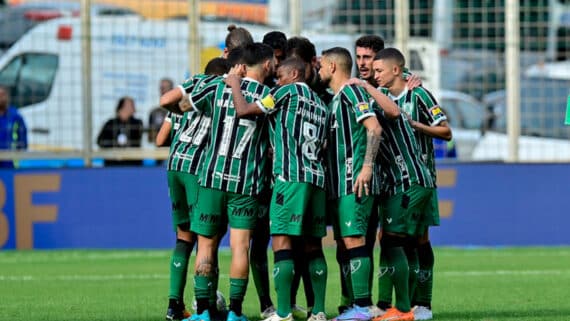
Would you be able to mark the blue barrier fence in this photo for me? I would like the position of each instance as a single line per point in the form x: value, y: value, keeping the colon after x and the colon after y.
x: 481, y: 205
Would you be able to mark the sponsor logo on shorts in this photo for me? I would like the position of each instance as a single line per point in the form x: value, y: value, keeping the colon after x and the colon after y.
x: 296, y: 218
x: 245, y: 212
x: 208, y: 218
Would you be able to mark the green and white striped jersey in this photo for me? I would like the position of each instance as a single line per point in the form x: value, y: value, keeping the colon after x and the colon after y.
x: 347, y: 139
x: 400, y: 159
x: 235, y: 158
x: 422, y: 107
x: 190, y: 132
x: 298, y: 120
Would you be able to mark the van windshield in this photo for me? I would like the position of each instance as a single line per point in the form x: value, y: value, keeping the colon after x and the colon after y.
x: 29, y: 77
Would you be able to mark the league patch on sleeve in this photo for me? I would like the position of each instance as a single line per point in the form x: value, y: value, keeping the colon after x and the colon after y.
x: 363, y: 107
x: 434, y: 111
x: 268, y: 101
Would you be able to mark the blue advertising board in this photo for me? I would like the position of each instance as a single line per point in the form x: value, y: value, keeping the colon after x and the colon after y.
x: 480, y: 205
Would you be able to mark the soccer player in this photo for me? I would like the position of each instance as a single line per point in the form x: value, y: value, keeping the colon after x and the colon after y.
x: 303, y: 48
x: 407, y: 186
x: 260, y: 238
x: 352, y: 145
x: 366, y: 48
x: 298, y: 121
x: 188, y: 142
x: 230, y: 178
x: 278, y: 41
x: 429, y: 122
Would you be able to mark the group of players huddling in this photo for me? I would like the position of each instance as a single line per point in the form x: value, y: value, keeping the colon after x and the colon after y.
x: 276, y: 143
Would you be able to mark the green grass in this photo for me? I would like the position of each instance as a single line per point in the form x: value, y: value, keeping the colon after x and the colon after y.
x: 519, y: 284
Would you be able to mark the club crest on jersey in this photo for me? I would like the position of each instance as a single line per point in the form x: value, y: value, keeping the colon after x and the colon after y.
x: 363, y: 107
x: 268, y: 101
x: 435, y: 111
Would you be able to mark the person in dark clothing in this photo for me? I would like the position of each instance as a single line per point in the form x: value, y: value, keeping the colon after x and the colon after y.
x: 122, y: 131
x: 157, y: 115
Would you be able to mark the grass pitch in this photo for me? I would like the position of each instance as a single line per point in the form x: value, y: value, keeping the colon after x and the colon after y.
x: 514, y: 284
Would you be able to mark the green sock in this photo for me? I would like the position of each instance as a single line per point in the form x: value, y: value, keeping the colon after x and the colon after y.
x: 238, y: 288
x: 214, y: 278
x: 283, y: 276
x: 385, y: 285
x: 201, y: 287
x: 398, y: 262
x: 179, y: 269
x: 413, y: 265
x: 424, y: 288
x: 359, y: 273
x: 318, y: 271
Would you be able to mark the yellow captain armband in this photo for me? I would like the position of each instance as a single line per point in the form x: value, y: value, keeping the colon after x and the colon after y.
x: 268, y: 102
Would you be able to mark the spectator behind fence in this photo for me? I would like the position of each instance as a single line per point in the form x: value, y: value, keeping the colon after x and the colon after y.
x: 13, y: 134
x: 158, y: 114
x: 122, y: 131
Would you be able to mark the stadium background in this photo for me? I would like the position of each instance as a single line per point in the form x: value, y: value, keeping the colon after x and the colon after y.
x: 492, y: 64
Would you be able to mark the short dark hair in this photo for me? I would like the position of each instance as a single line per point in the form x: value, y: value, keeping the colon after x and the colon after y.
x: 217, y: 66
x: 237, y: 37
x: 341, y: 56
x: 294, y: 63
x: 256, y: 53
x: 391, y: 54
x: 302, y: 48
x: 376, y: 43
x: 276, y: 40
x: 235, y: 56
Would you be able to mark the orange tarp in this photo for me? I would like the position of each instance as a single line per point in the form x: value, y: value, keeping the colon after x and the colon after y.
x: 161, y: 9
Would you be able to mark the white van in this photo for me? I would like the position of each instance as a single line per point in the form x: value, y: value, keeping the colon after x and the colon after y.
x: 129, y: 57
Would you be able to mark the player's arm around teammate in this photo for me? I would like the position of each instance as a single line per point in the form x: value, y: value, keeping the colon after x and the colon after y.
x: 440, y: 130
x: 389, y: 108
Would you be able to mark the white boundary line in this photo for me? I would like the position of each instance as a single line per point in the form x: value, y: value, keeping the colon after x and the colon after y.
x: 157, y: 276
